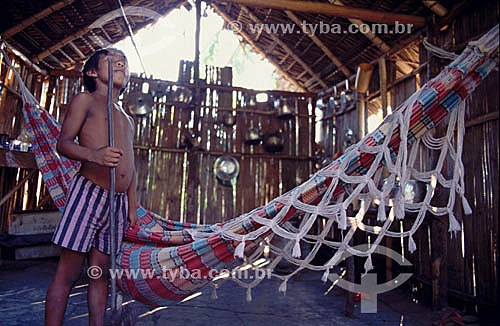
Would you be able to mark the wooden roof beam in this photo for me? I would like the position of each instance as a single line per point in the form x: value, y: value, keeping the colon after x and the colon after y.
x: 334, y: 10
x: 36, y: 17
x: 75, y: 36
x: 60, y: 44
x: 320, y: 44
x: 286, y: 48
x: 436, y: 8
x: 70, y: 59
x: 77, y: 50
x: 379, y: 43
x: 247, y: 38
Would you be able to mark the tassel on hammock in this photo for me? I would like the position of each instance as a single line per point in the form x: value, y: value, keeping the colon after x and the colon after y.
x: 296, y: 249
x: 214, y: 292
x: 325, y: 275
x: 249, y: 294
x: 381, y: 217
x: 368, y: 264
x: 454, y: 225
x: 400, y: 208
x: 412, y: 246
x: 282, y: 287
x: 466, y: 206
x: 240, y: 249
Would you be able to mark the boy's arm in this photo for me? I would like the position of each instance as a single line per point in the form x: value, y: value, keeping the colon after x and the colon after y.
x: 73, y: 122
x: 132, y: 201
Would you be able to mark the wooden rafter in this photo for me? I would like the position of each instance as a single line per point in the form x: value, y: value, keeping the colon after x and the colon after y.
x: 247, y: 38
x: 436, y: 7
x: 77, y: 50
x: 36, y: 17
x: 287, y: 48
x: 320, y: 44
x: 379, y: 43
x: 78, y: 35
x: 335, y: 10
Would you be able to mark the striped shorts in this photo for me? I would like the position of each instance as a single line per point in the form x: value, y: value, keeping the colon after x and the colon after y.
x: 85, y: 222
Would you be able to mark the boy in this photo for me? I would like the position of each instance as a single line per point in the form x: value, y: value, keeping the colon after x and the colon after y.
x: 85, y: 225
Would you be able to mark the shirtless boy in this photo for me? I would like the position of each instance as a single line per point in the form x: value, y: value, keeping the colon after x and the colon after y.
x: 84, y: 228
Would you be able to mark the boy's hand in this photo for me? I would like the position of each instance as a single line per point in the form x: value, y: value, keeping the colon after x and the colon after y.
x: 108, y: 156
x: 133, y: 218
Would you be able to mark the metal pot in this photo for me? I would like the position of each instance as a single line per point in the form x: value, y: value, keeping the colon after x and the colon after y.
x: 181, y: 94
x: 274, y: 142
x: 253, y: 136
x: 286, y: 108
x: 229, y: 119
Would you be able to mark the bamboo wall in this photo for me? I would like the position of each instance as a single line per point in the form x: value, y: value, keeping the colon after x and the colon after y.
x: 33, y: 195
x: 179, y: 183
x: 461, y: 271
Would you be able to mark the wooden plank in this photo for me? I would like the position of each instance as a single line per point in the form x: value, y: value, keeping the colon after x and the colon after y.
x: 33, y: 222
x: 17, y: 159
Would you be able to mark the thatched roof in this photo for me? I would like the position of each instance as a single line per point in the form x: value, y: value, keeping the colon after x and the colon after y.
x: 60, y: 34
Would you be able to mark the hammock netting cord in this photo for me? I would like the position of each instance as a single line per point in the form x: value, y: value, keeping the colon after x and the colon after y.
x: 159, y: 245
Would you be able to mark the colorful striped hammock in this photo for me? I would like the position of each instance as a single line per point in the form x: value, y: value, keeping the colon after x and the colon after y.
x: 159, y: 244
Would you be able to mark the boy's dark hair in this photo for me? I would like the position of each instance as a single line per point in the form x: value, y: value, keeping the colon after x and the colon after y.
x: 92, y: 63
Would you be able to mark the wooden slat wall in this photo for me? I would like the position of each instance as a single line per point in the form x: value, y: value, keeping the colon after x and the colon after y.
x: 181, y: 185
x: 470, y: 271
x: 471, y: 259
x: 33, y: 195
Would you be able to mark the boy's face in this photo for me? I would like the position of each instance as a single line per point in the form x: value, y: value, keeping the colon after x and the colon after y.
x: 121, y: 74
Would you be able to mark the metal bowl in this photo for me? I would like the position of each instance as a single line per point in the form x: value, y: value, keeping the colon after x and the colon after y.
x: 140, y: 104
x: 226, y: 170
x: 414, y: 191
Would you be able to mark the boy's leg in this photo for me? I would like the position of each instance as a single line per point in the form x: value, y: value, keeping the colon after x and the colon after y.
x: 98, y: 288
x: 68, y: 271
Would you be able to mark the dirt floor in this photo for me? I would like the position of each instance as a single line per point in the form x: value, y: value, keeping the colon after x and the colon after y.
x: 23, y: 285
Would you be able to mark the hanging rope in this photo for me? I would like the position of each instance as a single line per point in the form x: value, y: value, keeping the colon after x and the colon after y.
x: 130, y: 33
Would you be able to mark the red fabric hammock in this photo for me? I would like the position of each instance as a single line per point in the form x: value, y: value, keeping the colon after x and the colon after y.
x: 161, y: 246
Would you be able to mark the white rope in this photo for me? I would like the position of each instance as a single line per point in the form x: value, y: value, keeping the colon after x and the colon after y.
x: 439, y: 52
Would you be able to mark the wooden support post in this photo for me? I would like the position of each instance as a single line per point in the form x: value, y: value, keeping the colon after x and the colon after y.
x: 361, y: 107
x: 193, y: 156
x: 439, y: 226
x: 382, y: 69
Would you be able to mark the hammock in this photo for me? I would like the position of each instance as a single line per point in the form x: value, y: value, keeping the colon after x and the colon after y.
x: 158, y: 244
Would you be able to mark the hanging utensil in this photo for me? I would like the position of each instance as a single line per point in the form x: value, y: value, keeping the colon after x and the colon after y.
x: 139, y: 103
x: 253, y: 136
x: 226, y: 170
